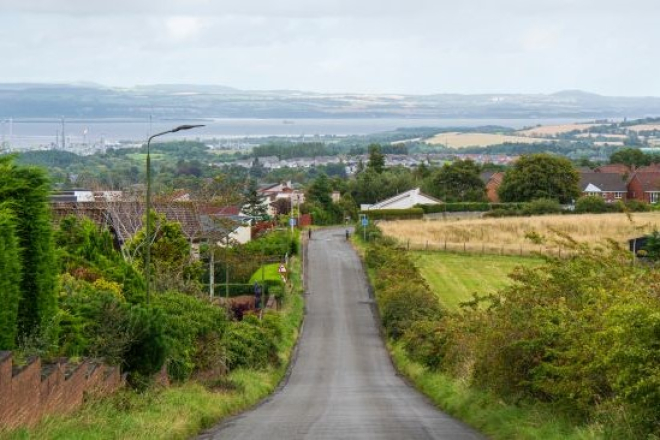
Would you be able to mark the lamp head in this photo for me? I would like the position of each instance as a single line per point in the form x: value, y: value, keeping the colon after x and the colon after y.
x: 186, y: 127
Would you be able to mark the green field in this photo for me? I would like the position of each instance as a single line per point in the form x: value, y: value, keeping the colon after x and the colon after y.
x: 455, y: 277
x: 142, y: 157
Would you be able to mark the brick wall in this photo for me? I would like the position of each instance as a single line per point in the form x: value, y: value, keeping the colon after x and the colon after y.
x: 30, y: 392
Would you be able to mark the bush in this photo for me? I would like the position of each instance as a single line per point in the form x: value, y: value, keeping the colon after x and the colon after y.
x: 146, y: 354
x: 542, y: 207
x: 394, y: 214
x: 591, y: 204
x: 194, y: 329
x: 253, y: 343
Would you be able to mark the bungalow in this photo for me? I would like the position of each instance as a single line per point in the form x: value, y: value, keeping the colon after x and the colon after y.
x: 404, y: 200
x: 610, y: 186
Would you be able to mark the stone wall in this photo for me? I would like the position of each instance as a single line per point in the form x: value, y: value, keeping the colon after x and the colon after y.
x: 30, y: 392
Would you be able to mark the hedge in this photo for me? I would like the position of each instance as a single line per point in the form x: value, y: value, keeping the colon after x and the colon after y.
x: 470, y: 207
x: 394, y: 214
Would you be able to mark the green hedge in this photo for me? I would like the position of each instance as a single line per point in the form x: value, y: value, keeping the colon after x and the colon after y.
x: 394, y: 214
x: 470, y: 207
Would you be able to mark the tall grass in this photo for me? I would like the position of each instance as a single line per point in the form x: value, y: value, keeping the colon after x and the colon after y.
x: 180, y: 411
x: 517, y: 234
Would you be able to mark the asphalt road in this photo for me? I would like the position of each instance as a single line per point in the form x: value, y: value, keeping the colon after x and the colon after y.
x: 342, y: 384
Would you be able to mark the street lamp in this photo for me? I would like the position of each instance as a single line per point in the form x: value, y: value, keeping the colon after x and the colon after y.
x: 148, y: 256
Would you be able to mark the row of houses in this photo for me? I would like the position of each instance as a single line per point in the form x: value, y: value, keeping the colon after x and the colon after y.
x: 616, y: 182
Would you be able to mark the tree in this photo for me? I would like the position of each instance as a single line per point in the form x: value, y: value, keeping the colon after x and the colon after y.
x: 631, y: 157
x: 252, y: 201
x: 536, y: 176
x: 458, y: 182
x: 320, y: 192
x: 376, y: 159
x: 27, y: 190
x: 10, y: 278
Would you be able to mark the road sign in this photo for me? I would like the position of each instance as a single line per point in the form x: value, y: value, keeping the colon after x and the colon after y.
x: 282, y: 269
x: 365, y: 221
x: 292, y: 221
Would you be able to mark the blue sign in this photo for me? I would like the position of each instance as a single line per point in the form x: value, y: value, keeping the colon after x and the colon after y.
x: 292, y: 221
x: 365, y: 221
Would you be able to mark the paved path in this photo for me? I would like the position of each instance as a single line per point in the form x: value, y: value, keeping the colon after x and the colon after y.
x: 342, y: 384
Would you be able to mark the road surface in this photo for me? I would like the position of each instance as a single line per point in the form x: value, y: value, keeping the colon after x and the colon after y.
x: 342, y: 384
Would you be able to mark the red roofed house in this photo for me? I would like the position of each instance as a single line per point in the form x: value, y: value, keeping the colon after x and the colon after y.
x: 645, y: 186
x: 610, y: 186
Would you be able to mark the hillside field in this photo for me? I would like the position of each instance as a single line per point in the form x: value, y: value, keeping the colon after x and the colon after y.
x: 462, y: 140
x: 455, y: 277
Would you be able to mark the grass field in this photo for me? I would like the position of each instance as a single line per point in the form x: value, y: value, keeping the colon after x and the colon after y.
x: 455, y: 277
x: 512, y: 234
x: 462, y: 140
x: 644, y: 127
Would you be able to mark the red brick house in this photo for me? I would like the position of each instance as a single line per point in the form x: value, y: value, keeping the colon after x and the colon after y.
x: 609, y: 186
x: 645, y: 186
x: 615, y: 168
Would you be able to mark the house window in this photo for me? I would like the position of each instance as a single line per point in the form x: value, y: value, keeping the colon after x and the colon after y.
x: 618, y: 195
x: 654, y: 197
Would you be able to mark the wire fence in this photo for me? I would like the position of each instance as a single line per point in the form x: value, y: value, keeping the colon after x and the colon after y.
x: 519, y: 249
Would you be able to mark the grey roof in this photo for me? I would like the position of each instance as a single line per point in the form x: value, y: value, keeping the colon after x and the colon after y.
x: 607, y: 182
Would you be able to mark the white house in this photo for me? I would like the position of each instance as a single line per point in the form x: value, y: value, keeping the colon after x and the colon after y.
x: 404, y: 200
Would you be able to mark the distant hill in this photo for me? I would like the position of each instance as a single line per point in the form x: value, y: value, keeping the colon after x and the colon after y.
x: 216, y: 101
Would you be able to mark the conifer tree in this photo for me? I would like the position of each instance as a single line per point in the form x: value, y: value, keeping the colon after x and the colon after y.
x: 26, y: 189
x: 10, y: 278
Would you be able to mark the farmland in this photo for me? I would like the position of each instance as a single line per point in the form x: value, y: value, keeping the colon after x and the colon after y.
x: 462, y: 140
x: 454, y: 277
x: 553, y: 130
x: 520, y: 234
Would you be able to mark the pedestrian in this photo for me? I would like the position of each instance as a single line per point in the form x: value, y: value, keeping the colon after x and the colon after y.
x: 257, y: 295
x: 309, y: 233
x: 347, y: 234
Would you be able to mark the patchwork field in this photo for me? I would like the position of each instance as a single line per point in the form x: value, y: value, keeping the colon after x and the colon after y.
x: 454, y: 278
x: 519, y: 235
x: 462, y: 140
x: 552, y: 130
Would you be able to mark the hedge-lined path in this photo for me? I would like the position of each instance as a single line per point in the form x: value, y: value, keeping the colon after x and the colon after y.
x: 342, y: 384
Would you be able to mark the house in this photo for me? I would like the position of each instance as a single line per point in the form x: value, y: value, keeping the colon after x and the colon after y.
x: 610, y: 186
x: 493, y: 180
x: 404, y: 200
x: 273, y: 192
x: 645, y: 186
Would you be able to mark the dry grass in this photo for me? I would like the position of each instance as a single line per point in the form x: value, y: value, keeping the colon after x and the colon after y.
x: 644, y: 127
x: 510, y: 235
x: 552, y: 130
x: 462, y: 140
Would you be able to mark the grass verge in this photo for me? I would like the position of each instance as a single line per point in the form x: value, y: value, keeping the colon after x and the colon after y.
x: 485, y: 412
x: 180, y: 411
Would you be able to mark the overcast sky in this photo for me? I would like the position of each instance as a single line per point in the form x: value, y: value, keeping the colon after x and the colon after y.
x: 371, y: 46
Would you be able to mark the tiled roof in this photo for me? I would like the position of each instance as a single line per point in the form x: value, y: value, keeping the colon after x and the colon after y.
x: 650, y: 181
x: 606, y: 182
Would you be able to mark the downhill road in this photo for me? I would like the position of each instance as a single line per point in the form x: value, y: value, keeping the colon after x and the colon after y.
x: 342, y: 384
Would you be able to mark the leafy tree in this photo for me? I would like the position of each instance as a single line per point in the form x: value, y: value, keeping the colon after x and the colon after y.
x: 252, y: 201
x: 320, y: 192
x: 458, y: 182
x: 27, y: 190
x: 631, y: 157
x: 538, y: 176
x: 10, y: 278
x: 376, y: 159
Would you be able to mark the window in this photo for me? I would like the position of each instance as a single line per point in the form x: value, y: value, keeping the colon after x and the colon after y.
x: 654, y: 197
x: 618, y: 195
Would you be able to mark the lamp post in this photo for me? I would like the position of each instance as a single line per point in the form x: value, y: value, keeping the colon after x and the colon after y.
x: 148, y: 207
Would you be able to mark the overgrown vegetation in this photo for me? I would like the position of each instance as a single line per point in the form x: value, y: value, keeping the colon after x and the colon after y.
x: 574, y: 337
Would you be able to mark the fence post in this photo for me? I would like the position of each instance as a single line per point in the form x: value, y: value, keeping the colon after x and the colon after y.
x: 482, y: 248
x: 464, y: 249
x: 408, y: 244
x: 427, y: 245
x: 445, y: 245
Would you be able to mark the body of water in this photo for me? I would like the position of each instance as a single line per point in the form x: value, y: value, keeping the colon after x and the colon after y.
x: 34, y: 133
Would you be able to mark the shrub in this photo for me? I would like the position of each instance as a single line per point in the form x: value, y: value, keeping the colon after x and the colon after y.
x: 541, y: 207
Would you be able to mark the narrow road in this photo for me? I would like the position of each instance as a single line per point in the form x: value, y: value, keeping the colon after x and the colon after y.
x: 342, y: 384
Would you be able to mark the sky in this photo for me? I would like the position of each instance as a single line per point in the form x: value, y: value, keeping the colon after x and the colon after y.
x: 339, y: 46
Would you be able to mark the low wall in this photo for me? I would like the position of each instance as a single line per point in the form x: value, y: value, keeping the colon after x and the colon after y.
x: 33, y: 391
